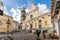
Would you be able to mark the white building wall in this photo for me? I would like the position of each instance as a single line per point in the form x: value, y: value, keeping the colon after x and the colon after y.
x: 56, y: 27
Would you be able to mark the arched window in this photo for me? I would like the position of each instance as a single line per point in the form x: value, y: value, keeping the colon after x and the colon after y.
x: 39, y: 20
x: 31, y: 16
x: 40, y: 25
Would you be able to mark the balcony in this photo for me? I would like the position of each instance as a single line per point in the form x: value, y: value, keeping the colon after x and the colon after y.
x: 53, y: 16
x: 52, y: 2
x: 58, y: 4
x: 56, y: 12
x: 8, y: 21
x: 52, y: 6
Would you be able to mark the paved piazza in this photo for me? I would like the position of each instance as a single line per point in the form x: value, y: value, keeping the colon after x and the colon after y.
x: 23, y: 37
x: 28, y: 36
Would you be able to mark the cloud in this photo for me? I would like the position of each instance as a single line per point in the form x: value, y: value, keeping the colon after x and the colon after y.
x: 30, y: 1
x: 26, y: 10
x: 13, y: 11
x: 5, y: 11
x: 43, y: 8
x: 16, y: 14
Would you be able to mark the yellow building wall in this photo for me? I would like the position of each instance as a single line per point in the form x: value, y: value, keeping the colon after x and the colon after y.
x: 45, y: 21
x: 3, y: 26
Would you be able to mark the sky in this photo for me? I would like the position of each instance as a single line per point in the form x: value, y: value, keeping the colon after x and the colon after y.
x: 13, y: 7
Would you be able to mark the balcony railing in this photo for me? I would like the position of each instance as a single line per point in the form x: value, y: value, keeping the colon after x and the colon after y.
x: 8, y: 21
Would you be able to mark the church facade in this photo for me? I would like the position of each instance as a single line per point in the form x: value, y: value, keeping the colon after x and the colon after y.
x: 36, y: 20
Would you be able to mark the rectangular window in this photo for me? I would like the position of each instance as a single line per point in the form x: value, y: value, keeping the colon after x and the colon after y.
x: 8, y: 21
x: 30, y: 26
x: 31, y: 16
x: 40, y: 26
x: 7, y: 26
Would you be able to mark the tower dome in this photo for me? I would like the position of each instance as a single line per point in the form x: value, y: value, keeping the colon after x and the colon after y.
x: 23, y: 14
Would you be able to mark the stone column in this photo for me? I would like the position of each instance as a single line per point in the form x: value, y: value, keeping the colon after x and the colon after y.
x: 56, y: 26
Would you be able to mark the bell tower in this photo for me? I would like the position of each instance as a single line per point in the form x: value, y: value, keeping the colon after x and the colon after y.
x: 23, y: 14
x: 1, y: 7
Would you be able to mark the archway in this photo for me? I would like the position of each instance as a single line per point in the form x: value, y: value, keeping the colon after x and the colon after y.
x: 31, y: 27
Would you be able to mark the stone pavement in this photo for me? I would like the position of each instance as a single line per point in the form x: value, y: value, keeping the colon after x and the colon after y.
x: 28, y: 36
x: 23, y: 37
